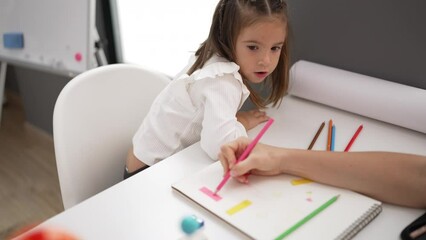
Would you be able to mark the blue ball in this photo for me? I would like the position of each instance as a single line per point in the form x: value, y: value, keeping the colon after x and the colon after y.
x: 191, y: 224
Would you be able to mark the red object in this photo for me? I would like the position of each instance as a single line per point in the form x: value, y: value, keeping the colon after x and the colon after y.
x: 78, y: 57
x: 353, y: 138
x: 43, y: 234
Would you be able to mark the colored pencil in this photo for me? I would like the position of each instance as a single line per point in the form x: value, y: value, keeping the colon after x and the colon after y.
x: 353, y: 138
x: 330, y: 125
x: 307, y: 218
x: 316, y: 136
x: 245, y: 153
x: 333, y: 137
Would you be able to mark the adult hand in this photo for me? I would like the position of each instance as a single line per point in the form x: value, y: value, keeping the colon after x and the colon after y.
x: 260, y: 161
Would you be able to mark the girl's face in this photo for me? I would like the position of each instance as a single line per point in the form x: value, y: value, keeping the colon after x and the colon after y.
x: 258, y: 49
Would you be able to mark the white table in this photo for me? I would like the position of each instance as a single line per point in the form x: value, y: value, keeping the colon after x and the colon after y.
x: 146, y: 207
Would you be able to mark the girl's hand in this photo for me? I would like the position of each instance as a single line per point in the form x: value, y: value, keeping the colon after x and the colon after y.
x: 252, y: 118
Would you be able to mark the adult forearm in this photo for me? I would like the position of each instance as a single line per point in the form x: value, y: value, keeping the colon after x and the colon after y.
x: 390, y: 177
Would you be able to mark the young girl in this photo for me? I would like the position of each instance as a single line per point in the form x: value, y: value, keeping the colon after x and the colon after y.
x: 247, y: 44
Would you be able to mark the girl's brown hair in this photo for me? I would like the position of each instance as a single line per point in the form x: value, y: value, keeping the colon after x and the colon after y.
x: 229, y: 18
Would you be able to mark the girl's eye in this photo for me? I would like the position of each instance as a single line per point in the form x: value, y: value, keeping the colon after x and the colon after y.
x: 275, y: 49
x: 252, y: 47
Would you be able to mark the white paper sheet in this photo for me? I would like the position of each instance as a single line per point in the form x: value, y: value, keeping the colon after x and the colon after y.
x: 379, y: 99
x: 269, y: 206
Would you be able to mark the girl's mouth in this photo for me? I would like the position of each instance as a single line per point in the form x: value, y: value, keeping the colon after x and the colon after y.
x: 261, y: 74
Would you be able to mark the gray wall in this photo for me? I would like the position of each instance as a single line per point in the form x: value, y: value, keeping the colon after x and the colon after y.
x: 39, y: 91
x: 380, y: 38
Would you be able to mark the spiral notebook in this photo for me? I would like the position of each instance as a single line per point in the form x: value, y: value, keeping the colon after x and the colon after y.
x: 269, y: 206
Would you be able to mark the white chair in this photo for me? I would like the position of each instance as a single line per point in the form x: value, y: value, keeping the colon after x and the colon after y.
x: 94, y: 119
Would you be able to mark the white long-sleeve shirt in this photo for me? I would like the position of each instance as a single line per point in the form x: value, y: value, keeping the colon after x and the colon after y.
x: 200, y: 107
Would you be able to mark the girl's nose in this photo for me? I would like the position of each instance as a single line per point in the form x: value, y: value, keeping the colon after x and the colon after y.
x: 265, y: 60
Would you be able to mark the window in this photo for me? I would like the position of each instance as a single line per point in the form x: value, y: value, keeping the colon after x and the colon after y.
x: 161, y: 35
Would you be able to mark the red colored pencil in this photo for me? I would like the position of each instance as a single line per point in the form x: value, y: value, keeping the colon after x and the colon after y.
x: 353, y: 138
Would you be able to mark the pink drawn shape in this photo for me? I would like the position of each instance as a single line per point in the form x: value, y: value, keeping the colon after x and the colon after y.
x: 210, y: 193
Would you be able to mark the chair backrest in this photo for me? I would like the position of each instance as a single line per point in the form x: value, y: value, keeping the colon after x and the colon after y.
x: 94, y: 119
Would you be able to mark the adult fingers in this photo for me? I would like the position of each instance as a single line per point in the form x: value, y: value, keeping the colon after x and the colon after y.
x: 242, y: 168
x: 224, y: 162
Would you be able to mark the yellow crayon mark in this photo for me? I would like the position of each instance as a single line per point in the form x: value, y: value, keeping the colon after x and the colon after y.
x: 239, y: 207
x: 296, y: 182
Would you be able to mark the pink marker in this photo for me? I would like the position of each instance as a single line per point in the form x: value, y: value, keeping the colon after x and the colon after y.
x: 245, y: 153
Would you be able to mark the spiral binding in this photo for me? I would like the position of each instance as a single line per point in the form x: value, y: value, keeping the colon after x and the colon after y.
x: 361, y: 222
